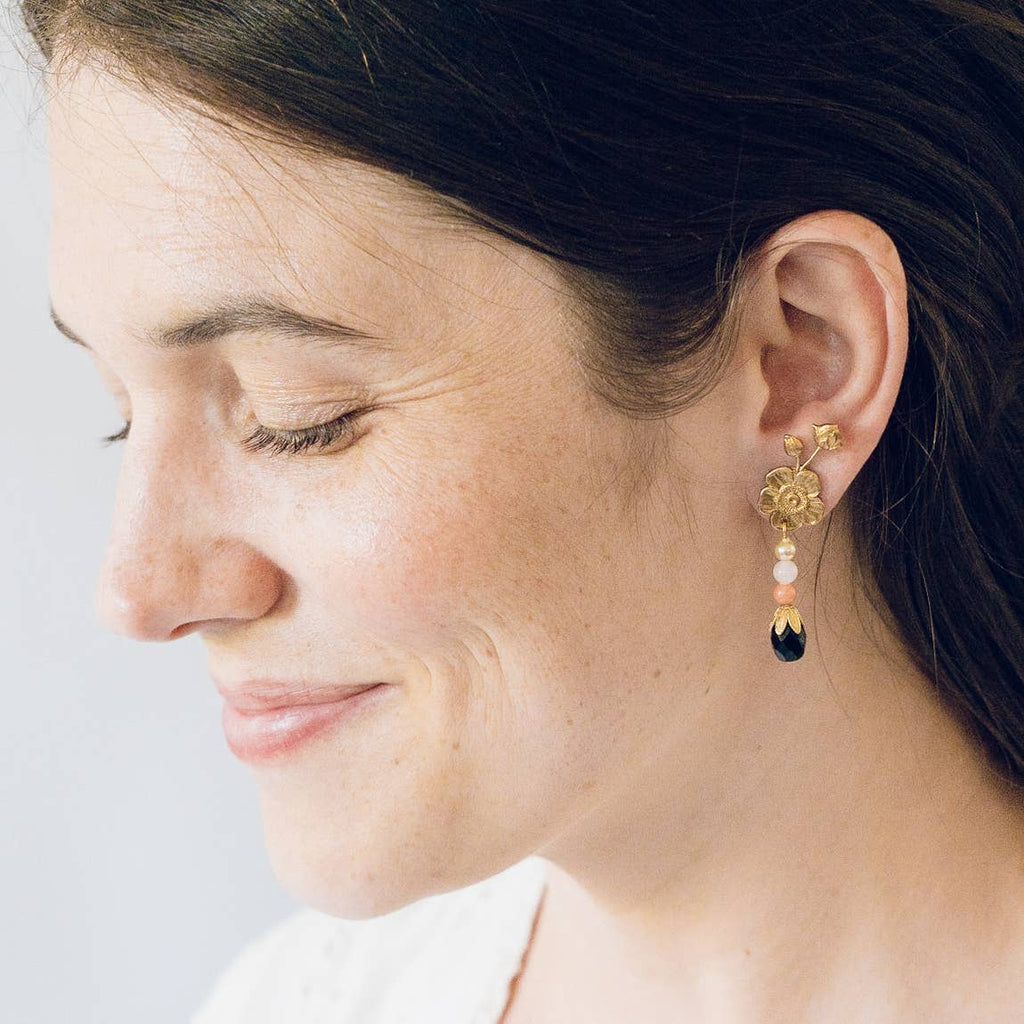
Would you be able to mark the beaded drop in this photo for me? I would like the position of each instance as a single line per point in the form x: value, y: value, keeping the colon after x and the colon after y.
x: 790, y: 500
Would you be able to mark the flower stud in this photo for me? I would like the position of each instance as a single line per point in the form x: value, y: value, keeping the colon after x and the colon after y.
x: 790, y: 499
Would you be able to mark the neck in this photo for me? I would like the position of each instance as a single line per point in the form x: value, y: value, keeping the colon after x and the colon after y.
x: 842, y: 843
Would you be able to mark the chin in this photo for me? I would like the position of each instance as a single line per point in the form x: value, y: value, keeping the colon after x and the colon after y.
x: 345, y: 877
x: 339, y: 885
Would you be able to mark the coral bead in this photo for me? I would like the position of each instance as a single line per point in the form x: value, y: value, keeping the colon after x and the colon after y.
x: 784, y: 593
x: 785, y: 570
x: 785, y: 549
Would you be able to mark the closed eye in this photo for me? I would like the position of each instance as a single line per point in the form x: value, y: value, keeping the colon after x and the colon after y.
x: 293, y: 442
x: 283, y: 442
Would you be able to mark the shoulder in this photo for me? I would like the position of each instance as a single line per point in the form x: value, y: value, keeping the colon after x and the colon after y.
x: 455, y: 950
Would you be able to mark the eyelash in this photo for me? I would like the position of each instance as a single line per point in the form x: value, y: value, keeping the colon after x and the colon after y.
x: 281, y: 442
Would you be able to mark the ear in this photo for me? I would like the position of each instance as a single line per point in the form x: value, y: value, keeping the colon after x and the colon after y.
x: 822, y: 338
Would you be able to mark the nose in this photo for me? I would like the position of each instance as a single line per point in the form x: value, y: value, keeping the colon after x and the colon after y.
x: 172, y: 564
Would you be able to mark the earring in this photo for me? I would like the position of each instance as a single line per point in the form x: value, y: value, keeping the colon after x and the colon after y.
x: 790, y: 500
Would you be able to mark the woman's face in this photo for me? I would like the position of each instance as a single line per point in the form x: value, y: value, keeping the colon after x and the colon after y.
x: 506, y: 552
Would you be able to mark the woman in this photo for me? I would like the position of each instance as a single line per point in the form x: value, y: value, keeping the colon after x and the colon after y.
x: 474, y: 355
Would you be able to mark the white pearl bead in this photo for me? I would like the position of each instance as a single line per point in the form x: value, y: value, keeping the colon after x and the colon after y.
x: 785, y: 548
x: 785, y: 570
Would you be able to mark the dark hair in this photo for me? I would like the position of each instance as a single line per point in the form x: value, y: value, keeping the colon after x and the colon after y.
x: 651, y: 147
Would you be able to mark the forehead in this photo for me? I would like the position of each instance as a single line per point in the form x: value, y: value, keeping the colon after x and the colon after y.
x: 151, y: 201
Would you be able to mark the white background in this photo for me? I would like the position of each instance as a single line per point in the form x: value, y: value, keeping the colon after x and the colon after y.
x: 132, y: 861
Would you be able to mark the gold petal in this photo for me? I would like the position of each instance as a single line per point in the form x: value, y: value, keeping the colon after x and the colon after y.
x: 794, y: 446
x: 778, y: 478
x: 809, y: 481
x: 779, y: 519
x: 780, y: 620
x: 795, y: 621
x: 814, y: 511
x: 767, y: 500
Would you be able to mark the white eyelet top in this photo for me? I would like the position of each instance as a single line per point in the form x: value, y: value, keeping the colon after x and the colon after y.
x: 446, y: 959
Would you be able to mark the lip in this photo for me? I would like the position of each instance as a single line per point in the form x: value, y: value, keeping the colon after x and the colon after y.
x: 257, y: 695
x: 260, y: 725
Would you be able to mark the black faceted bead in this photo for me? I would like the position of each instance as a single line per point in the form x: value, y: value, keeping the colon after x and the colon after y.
x: 789, y: 645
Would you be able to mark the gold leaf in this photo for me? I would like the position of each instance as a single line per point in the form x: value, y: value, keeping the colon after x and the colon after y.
x: 827, y: 436
x: 794, y: 619
x: 794, y: 446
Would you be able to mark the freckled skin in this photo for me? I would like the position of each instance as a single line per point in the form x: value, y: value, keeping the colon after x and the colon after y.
x: 572, y: 607
x: 474, y: 545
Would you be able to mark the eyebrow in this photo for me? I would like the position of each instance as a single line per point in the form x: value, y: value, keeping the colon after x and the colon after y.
x: 248, y: 316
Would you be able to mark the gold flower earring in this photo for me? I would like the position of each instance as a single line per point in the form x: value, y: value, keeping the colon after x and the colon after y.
x: 790, y: 500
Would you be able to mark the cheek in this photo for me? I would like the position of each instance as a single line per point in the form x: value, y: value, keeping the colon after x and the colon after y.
x: 487, y: 546
x: 404, y: 558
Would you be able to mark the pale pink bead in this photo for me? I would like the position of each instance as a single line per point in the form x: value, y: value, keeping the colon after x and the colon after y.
x: 784, y: 593
x: 785, y: 570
